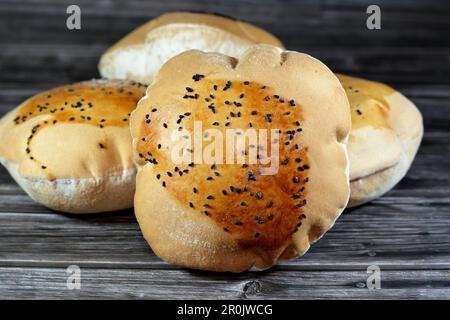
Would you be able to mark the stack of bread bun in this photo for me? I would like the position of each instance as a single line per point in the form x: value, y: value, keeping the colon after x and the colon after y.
x: 333, y: 141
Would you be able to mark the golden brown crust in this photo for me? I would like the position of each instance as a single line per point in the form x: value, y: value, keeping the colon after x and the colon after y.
x: 236, y: 27
x: 386, y: 133
x: 231, y: 217
x: 140, y: 54
x: 68, y: 134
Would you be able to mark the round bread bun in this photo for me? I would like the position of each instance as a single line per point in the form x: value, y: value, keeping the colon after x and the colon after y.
x: 140, y: 54
x: 213, y: 214
x: 386, y: 132
x: 70, y: 149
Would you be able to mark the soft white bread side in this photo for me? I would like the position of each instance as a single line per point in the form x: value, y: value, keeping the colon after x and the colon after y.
x: 386, y: 133
x: 140, y: 54
x: 222, y: 216
x: 69, y: 148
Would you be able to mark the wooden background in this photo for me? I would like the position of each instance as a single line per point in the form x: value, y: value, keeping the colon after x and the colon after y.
x: 406, y: 232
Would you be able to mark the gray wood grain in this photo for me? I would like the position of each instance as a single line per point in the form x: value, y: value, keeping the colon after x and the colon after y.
x: 38, y: 283
x: 406, y: 232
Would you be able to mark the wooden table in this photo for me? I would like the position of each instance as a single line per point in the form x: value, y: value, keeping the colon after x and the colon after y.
x: 406, y: 233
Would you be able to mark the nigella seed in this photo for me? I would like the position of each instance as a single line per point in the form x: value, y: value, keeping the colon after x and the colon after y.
x: 251, y: 176
x: 269, y: 204
x: 195, y: 190
x: 215, y: 123
x: 159, y: 146
x: 206, y: 206
x: 210, y: 178
x: 210, y: 197
x: 197, y: 77
x: 206, y: 213
x: 296, y: 179
x: 189, y: 89
x: 164, y: 184
x: 169, y: 173
x: 158, y: 176
x: 292, y: 103
x: 300, y: 168
x: 44, y: 167
x: 243, y: 204
x: 257, y: 235
x: 298, y: 160
x: 306, y: 167
x: 224, y: 192
x: 165, y: 125
x: 232, y: 188
x: 226, y: 230
x: 191, y: 204
x: 238, y: 223
x: 241, y: 96
x: 154, y: 110
x: 259, y: 219
x: 270, y: 217
x: 215, y: 87
x: 246, y: 83
x: 259, y: 195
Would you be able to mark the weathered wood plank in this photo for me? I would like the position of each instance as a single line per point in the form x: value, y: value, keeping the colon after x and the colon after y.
x: 51, y: 283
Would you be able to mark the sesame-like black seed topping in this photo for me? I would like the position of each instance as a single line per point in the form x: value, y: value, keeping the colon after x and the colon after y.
x: 259, y: 195
x: 197, y: 77
x: 295, y: 179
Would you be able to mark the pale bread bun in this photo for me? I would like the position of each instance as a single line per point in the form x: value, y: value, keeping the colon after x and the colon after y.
x: 140, y: 54
x: 69, y: 148
x: 386, y: 132
x: 230, y: 217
